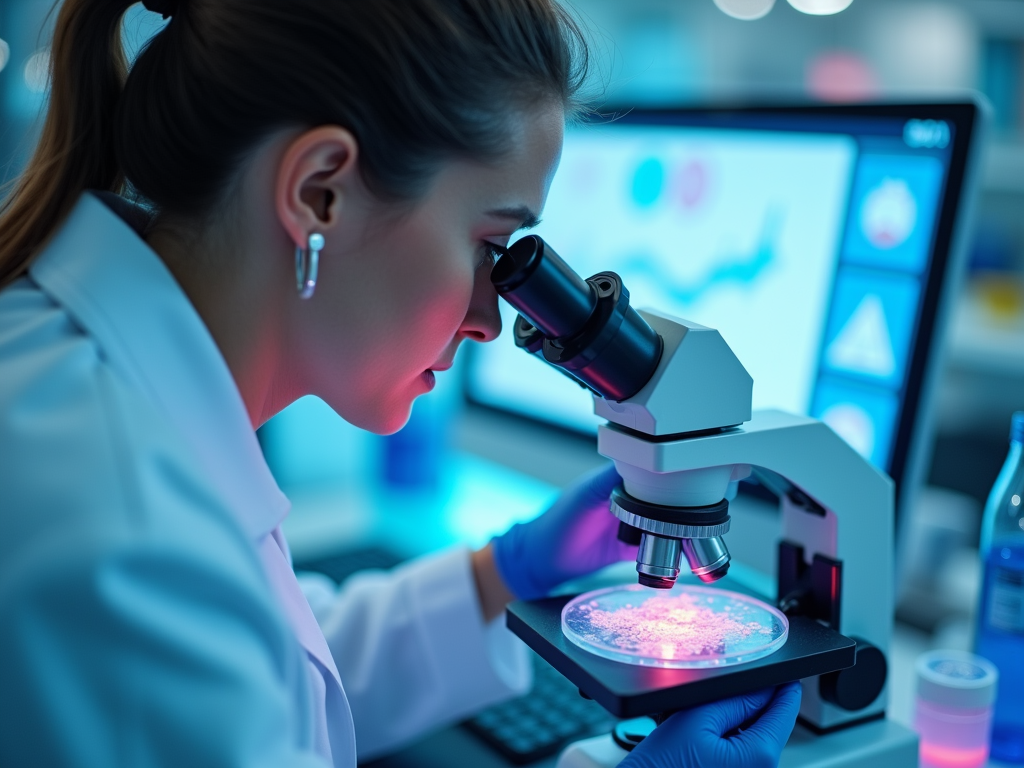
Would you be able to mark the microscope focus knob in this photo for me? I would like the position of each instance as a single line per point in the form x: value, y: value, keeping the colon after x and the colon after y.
x: 856, y: 687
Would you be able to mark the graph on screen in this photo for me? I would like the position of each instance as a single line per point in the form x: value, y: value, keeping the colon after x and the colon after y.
x: 737, y: 268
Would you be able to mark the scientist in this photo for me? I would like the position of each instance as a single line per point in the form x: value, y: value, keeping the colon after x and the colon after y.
x: 320, y: 180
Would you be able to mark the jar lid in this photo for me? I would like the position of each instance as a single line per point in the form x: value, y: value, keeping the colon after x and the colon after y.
x: 956, y: 679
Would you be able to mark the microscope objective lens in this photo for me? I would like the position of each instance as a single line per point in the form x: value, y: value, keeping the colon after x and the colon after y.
x: 685, y: 627
x: 656, y: 582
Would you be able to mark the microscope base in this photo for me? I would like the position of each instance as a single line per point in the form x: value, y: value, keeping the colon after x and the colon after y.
x: 878, y: 744
x: 595, y: 752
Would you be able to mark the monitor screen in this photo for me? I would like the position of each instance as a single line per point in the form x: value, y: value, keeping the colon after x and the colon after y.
x: 814, y: 239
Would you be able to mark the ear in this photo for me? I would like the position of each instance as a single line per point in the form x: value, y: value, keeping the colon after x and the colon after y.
x: 315, y: 172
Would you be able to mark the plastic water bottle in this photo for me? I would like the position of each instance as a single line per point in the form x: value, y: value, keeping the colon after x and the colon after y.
x: 1000, y: 631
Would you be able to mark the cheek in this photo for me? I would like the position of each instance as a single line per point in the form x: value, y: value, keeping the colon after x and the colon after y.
x: 402, y: 321
x: 438, y: 310
x: 447, y: 308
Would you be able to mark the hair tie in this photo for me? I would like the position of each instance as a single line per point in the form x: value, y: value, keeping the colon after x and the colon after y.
x: 165, y: 8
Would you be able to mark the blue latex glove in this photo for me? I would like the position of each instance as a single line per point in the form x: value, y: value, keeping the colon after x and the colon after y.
x: 747, y: 731
x: 576, y: 536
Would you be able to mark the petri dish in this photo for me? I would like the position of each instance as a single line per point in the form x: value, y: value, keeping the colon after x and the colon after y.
x: 686, y: 627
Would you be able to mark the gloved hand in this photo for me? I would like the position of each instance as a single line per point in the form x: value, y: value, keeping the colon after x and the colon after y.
x: 574, y: 537
x: 747, y: 731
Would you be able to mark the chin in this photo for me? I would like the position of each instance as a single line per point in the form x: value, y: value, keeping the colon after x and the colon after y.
x: 390, y: 425
x: 381, y: 416
x: 382, y: 420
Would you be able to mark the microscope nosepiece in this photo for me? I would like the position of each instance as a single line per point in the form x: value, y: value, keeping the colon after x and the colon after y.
x: 668, y: 534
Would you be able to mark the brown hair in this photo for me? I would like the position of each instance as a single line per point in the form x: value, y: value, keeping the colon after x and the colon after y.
x: 416, y: 81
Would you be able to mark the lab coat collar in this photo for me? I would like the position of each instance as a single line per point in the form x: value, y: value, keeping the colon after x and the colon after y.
x: 113, y: 285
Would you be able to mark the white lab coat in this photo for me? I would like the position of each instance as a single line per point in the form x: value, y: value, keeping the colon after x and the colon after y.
x: 149, y: 615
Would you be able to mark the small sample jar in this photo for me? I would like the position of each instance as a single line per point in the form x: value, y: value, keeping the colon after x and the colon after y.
x: 956, y: 692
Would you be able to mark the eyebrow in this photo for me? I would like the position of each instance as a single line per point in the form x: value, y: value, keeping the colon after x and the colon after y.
x: 526, y: 218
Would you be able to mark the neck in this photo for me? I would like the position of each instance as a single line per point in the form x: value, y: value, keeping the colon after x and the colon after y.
x: 236, y: 298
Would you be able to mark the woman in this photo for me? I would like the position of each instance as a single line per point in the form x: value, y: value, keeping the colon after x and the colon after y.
x: 321, y: 183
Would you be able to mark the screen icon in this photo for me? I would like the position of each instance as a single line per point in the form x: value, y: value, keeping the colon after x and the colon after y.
x: 864, y: 344
x: 893, y: 212
x: 888, y: 214
x: 871, y: 325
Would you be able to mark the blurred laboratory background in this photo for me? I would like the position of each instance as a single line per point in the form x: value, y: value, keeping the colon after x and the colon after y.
x: 463, y: 469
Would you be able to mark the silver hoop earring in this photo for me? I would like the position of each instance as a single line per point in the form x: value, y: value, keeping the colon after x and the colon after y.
x: 307, y: 264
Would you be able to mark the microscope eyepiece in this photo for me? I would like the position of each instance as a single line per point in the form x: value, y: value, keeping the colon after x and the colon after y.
x: 586, y: 327
x: 556, y: 300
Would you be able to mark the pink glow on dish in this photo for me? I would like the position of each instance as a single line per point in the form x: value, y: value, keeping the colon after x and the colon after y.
x: 671, y: 627
x: 688, y: 627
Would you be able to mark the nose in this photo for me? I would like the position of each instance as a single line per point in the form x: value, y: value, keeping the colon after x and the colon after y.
x: 483, y: 319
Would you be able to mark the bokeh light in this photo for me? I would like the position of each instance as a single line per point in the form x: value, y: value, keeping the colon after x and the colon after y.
x: 747, y: 10
x: 838, y: 76
x: 923, y: 47
x: 820, y: 7
x: 5, y: 54
x: 37, y: 71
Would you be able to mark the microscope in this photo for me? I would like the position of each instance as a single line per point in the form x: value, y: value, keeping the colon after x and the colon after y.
x: 682, y: 434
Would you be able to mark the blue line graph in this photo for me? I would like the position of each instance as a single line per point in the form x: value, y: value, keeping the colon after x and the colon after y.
x: 742, y: 269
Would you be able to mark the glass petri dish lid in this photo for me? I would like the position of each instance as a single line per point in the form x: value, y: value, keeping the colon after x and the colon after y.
x: 687, y: 627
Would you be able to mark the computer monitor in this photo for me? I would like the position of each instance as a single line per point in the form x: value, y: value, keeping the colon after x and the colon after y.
x: 820, y: 240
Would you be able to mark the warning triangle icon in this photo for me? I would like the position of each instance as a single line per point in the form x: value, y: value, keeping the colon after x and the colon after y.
x: 864, y: 345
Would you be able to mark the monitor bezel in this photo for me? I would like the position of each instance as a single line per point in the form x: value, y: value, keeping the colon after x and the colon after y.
x: 913, y: 430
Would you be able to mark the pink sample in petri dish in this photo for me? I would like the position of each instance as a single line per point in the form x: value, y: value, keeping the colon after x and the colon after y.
x: 686, y: 627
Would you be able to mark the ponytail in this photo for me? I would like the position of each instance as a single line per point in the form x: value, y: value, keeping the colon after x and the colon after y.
x: 417, y: 82
x: 76, y: 149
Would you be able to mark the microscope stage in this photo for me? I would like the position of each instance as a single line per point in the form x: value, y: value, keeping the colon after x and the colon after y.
x: 628, y: 690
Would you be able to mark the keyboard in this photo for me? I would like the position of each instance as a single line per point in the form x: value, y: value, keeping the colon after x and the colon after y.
x: 522, y: 730
x: 543, y: 721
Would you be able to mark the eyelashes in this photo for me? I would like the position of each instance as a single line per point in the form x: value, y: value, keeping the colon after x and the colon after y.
x: 489, y: 254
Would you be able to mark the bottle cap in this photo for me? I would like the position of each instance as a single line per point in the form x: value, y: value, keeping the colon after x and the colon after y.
x: 956, y: 679
x: 1017, y: 427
